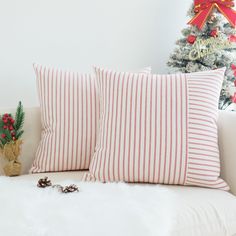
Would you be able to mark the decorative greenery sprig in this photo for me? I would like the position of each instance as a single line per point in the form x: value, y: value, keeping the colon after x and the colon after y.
x: 20, y: 118
x: 11, y: 129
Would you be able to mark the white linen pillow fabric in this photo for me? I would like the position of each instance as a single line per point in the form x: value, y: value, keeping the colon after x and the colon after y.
x: 158, y: 129
x: 70, y: 112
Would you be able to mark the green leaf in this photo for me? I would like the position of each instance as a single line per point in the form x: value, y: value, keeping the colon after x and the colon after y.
x: 1, y: 123
x: 8, y: 135
x: 19, y: 118
x: 2, y: 142
x: 19, y: 134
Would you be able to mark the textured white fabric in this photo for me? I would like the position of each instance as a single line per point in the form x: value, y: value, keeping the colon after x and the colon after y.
x: 55, y: 176
x: 159, y: 128
x: 227, y: 132
x: 114, y: 209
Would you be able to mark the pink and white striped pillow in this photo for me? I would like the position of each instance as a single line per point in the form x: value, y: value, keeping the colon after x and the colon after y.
x: 158, y: 129
x: 69, y: 114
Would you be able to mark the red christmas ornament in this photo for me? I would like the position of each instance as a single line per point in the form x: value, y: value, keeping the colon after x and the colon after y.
x: 233, y: 98
x: 214, y: 33
x: 3, y: 135
x: 191, y: 39
x: 232, y: 38
x: 233, y: 67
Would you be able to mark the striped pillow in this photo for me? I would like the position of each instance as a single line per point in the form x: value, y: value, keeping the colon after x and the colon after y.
x: 158, y: 129
x: 69, y: 114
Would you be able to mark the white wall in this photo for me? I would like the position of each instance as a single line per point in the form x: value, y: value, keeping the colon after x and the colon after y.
x: 74, y: 34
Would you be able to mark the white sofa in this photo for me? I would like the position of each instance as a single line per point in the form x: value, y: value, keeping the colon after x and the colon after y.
x: 126, y: 209
x: 32, y: 127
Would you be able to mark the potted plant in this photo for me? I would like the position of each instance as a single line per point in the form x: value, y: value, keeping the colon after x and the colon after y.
x: 11, y: 130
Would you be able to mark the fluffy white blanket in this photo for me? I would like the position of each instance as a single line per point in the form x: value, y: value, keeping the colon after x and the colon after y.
x: 113, y: 210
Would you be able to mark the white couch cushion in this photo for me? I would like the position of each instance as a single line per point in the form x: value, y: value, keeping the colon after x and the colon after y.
x: 227, y: 132
x: 55, y: 176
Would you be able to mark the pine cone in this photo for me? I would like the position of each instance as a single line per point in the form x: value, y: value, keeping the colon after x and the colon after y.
x: 70, y: 189
x: 43, y: 183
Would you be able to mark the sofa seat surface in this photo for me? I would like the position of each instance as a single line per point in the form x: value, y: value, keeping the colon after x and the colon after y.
x: 54, y: 176
x: 116, y: 209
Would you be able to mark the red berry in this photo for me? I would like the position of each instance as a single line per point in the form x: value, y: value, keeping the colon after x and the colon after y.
x: 214, y: 33
x: 232, y: 38
x: 3, y: 135
x: 233, y: 98
x: 12, y: 121
x: 191, y: 39
x: 4, y: 120
x: 11, y: 128
x: 6, y: 115
x: 233, y: 67
x: 14, y: 138
x: 13, y: 134
x: 235, y: 83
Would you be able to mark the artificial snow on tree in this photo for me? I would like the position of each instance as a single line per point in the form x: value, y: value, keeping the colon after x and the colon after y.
x: 209, y: 42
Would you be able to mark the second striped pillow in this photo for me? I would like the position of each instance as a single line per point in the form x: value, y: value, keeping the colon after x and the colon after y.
x: 159, y: 128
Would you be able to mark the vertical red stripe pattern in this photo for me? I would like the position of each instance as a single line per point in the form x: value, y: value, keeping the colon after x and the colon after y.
x: 154, y: 131
x: 69, y: 115
x: 70, y: 111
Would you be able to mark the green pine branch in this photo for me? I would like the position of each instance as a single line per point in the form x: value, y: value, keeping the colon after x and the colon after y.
x: 19, y: 134
x: 19, y: 120
x: 1, y: 123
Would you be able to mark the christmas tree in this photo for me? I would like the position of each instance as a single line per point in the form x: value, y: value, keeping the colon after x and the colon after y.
x: 209, y: 42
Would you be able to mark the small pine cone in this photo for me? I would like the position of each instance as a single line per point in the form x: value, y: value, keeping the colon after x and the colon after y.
x: 43, y: 183
x: 70, y: 189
